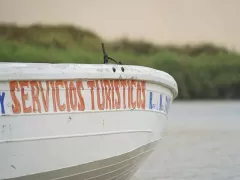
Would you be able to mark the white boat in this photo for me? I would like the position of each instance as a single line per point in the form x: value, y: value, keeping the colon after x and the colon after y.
x: 80, y: 121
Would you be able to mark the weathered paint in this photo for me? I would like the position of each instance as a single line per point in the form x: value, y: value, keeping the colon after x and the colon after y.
x: 82, y: 113
x: 72, y: 96
x: 159, y: 102
x: 65, y: 96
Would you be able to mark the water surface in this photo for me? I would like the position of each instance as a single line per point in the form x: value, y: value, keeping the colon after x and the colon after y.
x: 201, y: 142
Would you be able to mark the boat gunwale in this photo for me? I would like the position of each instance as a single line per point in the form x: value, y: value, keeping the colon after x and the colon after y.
x: 63, y: 71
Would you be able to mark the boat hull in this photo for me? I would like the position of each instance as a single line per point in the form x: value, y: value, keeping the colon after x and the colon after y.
x: 79, y: 128
x: 121, y: 167
x: 95, y: 140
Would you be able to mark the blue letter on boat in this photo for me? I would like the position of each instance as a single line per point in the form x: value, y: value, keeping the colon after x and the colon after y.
x: 160, y: 105
x: 2, y: 96
x: 168, y: 101
x: 150, y: 101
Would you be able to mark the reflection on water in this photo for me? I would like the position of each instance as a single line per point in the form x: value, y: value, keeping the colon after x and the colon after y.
x: 201, y: 142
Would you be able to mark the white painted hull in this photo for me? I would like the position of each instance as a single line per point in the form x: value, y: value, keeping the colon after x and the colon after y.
x: 91, y: 144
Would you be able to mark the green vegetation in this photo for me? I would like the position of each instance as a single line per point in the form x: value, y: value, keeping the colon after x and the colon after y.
x: 202, y: 71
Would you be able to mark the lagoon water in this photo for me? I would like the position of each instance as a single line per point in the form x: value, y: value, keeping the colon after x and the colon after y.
x: 201, y: 142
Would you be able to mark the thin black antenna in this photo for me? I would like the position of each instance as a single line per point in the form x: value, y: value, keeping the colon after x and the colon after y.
x: 106, y: 57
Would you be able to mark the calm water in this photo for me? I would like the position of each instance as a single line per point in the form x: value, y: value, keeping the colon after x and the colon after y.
x: 202, y: 142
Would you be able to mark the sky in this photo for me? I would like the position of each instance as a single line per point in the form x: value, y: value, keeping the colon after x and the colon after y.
x: 159, y: 21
